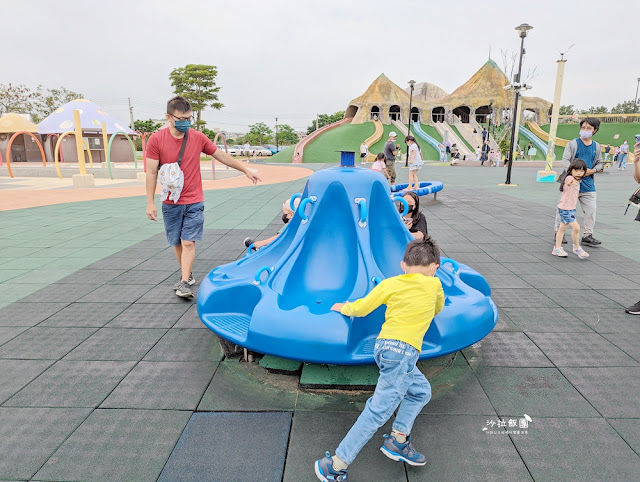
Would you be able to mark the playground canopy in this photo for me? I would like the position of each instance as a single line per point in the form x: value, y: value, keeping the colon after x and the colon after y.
x: 91, y: 118
x: 10, y: 123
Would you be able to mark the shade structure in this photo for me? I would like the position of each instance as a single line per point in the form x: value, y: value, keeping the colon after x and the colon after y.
x: 10, y: 123
x: 91, y: 118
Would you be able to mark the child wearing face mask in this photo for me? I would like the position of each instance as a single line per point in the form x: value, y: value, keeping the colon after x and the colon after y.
x: 287, y: 214
x: 570, y: 189
x: 412, y: 300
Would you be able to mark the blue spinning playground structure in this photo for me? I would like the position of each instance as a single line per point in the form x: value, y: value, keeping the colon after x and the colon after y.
x: 346, y: 236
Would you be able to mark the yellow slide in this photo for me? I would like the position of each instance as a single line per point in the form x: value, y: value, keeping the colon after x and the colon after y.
x: 377, y: 135
x: 537, y: 130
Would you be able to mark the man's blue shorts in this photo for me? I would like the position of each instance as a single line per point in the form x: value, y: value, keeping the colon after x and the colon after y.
x: 567, y: 216
x: 183, y: 221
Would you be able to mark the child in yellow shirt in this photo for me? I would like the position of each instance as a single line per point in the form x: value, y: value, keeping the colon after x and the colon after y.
x: 412, y: 300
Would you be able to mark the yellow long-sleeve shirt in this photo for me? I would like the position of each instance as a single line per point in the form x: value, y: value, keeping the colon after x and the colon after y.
x: 412, y: 301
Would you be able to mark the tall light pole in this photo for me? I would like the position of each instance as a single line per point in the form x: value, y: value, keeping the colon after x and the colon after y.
x: 412, y: 84
x: 522, y: 29
x: 276, y: 135
x: 637, y: 93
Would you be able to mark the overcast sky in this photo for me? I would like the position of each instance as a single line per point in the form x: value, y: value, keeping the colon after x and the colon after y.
x: 291, y: 59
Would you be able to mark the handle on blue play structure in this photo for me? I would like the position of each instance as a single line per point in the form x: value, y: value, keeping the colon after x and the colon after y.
x: 303, y: 204
x: 293, y: 198
x: 452, y: 262
x: 404, y: 202
x: 251, y: 248
x: 362, y: 202
x: 259, y: 272
x: 376, y: 280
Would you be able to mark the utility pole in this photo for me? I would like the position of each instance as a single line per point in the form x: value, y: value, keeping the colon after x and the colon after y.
x: 316, y: 121
x: 276, y: 135
x: 133, y: 124
x: 637, y: 86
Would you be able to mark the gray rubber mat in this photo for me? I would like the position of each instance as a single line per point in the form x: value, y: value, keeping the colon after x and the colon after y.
x: 213, y: 444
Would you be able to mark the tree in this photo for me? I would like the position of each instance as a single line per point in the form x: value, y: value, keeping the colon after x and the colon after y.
x: 595, y: 110
x: 209, y: 133
x: 148, y: 125
x: 46, y: 101
x: 259, y: 133
x: 16, y: 98
x: 628, y: 107
x: 566, y: 109
x: 197, y: 84
x: 325, y: 119
x: 286, y: 135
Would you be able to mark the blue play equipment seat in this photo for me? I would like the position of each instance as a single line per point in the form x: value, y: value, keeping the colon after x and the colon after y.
x: 345, y: 237
x: 423, y: 189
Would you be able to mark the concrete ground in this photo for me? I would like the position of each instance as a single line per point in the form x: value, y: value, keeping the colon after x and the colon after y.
x: 106, y: 375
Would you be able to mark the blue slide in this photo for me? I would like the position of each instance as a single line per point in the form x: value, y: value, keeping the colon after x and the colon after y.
x: 423, y: 135
x: 345, y: 238
x: 539, y: 144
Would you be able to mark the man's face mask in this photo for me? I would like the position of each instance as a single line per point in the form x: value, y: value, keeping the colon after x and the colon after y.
x: 182, y: 125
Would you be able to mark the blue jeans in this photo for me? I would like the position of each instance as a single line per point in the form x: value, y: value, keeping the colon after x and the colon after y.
x: 400, y: 383
x: 622, y: 160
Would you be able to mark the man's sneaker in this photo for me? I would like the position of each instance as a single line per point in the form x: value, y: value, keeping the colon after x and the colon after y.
x: 325, y: 471
x: 405, y: 452
x: 590, y: 241
x: 184, y: 290
x: 580, y: 253
x: 564, y: 241
x: 248, y: 242
x: 633, y: 310
x: 191, y: 281
x: 560, y: 252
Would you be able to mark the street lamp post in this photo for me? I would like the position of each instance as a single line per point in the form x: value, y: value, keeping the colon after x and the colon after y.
x: 412, y: 84
x: 637, y: 94
x: 523, y: 30
x: 276, y: 135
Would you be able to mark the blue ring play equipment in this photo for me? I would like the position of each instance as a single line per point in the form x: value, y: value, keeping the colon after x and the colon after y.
x: 424, y: 188
x: 278, y: 299
x: 404, y: 203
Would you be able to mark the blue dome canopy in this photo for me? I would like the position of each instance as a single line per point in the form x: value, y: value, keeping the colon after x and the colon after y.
x: 91, y: 118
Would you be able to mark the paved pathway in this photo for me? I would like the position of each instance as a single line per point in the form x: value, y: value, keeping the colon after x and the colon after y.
x: 105, y: 375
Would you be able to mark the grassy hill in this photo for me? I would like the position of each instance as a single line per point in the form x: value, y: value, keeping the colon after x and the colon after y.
x: 428, y: 153
x: 604, y: 136
x: 284, y: 155
x: 344, y: 138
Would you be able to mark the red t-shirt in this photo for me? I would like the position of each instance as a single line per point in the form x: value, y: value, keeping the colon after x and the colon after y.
x: 162, y: 146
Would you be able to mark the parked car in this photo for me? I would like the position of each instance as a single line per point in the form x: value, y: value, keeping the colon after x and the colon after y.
x: 234, y: 150
x: 261, y: 151
x: 271, y: 147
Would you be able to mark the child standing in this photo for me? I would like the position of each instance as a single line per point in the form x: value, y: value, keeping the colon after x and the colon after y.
x: 567, y: 209
x: 415, y: 161
x: 412, y: 300
x: 364, y: 152
x: 379, y: 165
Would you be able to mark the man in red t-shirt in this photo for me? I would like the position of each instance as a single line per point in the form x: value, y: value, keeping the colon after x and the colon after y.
x: 183, y: 220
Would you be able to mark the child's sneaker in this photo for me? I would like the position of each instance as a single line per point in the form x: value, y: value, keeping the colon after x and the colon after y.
x: 581, y: 253
x: 325, y: 471
x: 559, y: 252
x: 405, y: 452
